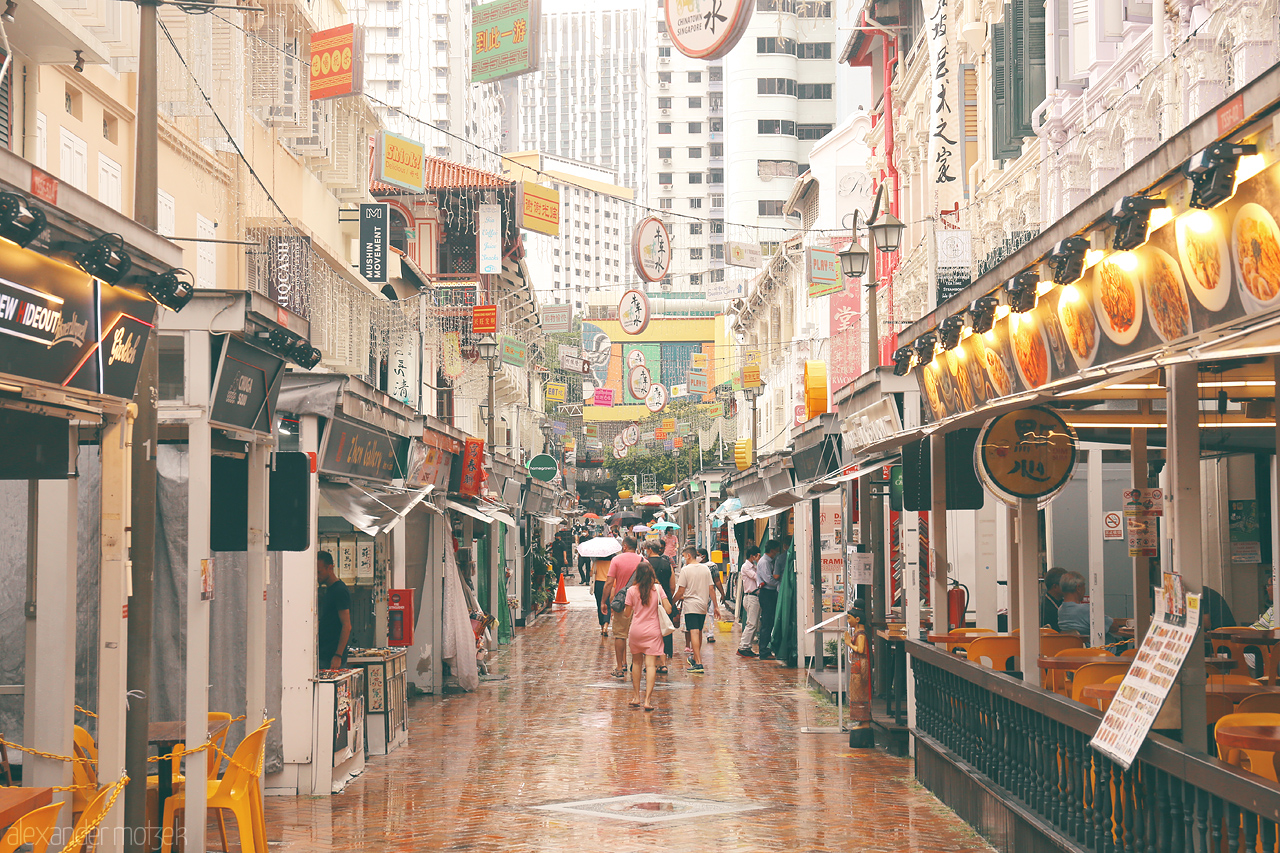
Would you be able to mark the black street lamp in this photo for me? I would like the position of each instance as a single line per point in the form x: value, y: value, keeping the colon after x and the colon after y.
x: 488, y: 349
x: 886, y: 232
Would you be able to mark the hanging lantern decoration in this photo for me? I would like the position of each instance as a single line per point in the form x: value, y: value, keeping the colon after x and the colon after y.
x: 815, y: 389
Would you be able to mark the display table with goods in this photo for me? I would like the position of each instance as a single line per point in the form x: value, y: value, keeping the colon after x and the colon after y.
x: 337, y: 749
x: 386, y: 704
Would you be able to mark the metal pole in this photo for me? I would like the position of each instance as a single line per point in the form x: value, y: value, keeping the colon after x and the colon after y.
x: 142, y: 532
x: 493, y: 415
x: 873, y: 318
x: 755, y: 450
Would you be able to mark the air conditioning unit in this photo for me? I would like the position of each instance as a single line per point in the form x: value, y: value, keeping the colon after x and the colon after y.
x: 666, y: 112
x: 664, y: 85
x: 666, y: 161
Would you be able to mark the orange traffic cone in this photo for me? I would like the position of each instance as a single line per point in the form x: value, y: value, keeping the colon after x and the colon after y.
x: 561, y: 598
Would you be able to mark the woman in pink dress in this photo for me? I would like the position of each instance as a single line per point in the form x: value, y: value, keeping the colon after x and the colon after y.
x: 645, y: 636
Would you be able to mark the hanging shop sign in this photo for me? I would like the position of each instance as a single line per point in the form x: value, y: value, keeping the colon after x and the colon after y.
x: 953, y: 253
x: 559, y: 427
x: 698, y: 382
x: 945, y: 132
x: 514, y: 352
x: 631, y: 436
x: 707, y: 29
x: 58, y: 325
x: 602, y: 397
x: 1027, y: 454
x: 400, y: 161
x: 373, y: 241
x: 288, y: 271
x: 573, y: 364
x: 539, y: 209
x: 505, y: 42
x: 656, y: 399
x: 669, y: 424
x: 727, y: 289
x: 472, y: 477
x: 823, y: 271
x: 660, y: 435
x: 337, y: 62
x: 246, y: 384
x: 681, y: 390
x: 635, y: 358
x: 743, y: 255
x: 352, y: 450
x: 556, y: 318
x: 871, y: 424
x: 484, y: 319
x: 431, y: 461
x: 633, y: 312
x: 751, y: 376
x: 555, y: 392
x: 1199, y: 273
x: 620, y: 452
x: 402, y: 367
x: 543, y: 467
x: 638, y: 382
x: 651, y: 249
x: 489, y: 240
x: 815, y: 389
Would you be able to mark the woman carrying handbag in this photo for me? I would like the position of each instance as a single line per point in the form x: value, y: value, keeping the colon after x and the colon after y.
x: 646, y: 605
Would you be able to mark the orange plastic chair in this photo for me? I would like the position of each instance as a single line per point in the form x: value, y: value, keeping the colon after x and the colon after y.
x: 1052, y: 644
x: 966, y: 632
x: 93, y: 814
x: 1259, y: 762
x: 34, y: 828
x: 84, y: 771
x: 236, y: 791
x: 1057, y: 678
x: 1129, y: 653
x: 1231, y: 678
x: 1094, y: 673
x: 1259, y: 703
x: 1236, y: 650
x: 995, y: 652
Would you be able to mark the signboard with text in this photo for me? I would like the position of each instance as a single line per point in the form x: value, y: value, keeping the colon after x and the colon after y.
x: 504, y: 39
x: 489, y: 240
x: 353, y: 450
x: 823, y: 271
x: 336, y: 62
x: 540, y: 209
x: 373, y: 241
x: 484, y: 319
x: 245, y: 387
x: 399, y: 161
x: 514, y: 351
x: 556, y: 318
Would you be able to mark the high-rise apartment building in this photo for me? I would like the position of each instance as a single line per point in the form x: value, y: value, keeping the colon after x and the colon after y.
x: 417, y: 68
x: 586, y: 102
x: 779, y: 86
x: 685, y: 158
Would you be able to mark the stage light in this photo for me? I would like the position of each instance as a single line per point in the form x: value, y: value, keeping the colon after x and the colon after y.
x: 105, y: 257
x: 902, y: 361
x: 982, y: 314
x: 1020, y: 291
x: 1213, y: 173
x: 950, y: 330
x: 20, y: 222
x: 172, y: 289
x: 305, y: 355
x: 924, y: 346
x: 1067, y: 259
x: 1131, y: 216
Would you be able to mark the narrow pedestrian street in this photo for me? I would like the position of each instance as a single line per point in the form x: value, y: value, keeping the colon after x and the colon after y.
x: 550, y: 757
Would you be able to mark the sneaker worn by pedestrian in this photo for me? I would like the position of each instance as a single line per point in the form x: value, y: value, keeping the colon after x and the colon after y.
x: 767, y: 656
x: 697, y: 669
x: 746, y: 653
x: 711, y: 638
x: 691, y: 661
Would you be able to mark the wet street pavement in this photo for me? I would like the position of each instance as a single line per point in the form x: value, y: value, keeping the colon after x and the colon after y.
x: 553, y: 759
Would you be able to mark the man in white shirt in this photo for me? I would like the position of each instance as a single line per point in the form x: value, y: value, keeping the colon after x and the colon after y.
x: 694, y: 591
x: 750, y: 602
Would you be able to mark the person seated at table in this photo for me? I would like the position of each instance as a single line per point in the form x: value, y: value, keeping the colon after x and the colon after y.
x: 1265, y: 622
x: 1052, y: 599
x: 1073, y: 614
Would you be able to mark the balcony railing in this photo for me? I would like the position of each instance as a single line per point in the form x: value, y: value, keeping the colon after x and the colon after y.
x: 1031, y: 749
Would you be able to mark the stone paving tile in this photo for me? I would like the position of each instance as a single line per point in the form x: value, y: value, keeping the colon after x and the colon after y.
x: 478, y: 766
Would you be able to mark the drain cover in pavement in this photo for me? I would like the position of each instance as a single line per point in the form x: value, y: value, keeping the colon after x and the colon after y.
x: 648, y: 808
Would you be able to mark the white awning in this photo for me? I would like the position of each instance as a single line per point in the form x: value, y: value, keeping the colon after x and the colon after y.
x: 499, y: 515
x: 469, y: 510
x: 370, y: 511
x: 759, y: 512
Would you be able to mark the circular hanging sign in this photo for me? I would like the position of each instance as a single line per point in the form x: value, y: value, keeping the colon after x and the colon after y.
x: 639, y: 381
x: 707, y: 29
x: 619, y: 442
x: 656, y: 399
x: 635, y: 358
x: 1027, y: 454
x: 543, y: 467
x: 631, y: 436
x: 620, y: 452
x: 651, y: 249
x: 633, y: 312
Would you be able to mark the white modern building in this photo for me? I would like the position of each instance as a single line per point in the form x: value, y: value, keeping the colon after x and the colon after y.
x: 779, y: 89
x: 418, y: 70
x: 586, y: 102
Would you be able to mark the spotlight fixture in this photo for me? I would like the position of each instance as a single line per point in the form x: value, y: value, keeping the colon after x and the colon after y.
x: 79, y: 66
x: 1020, y: 291
x: 104, y: 258
x: 1213, y: 173
x: 925, y: 345
x: 172, y: 289
x: 902, y: 361
x: 950, y: 330
x: 290, y: 346
x: 20, y: 222
x: 10, y: 7
x: 1130, y: 216
x: 305, y: 355
x: 1067, y: 259
x: 982, y: 313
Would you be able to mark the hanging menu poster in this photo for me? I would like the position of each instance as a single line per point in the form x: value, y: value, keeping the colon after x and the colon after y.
x: 1146, y: 686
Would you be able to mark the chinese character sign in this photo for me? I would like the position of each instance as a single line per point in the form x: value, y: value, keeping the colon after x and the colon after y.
x: 504, y: 39
x: 1028, y: 454
x: 472, y: 468
x: 633, y: 312
x: 845, y: 316
x: 707, y: 29
x: 402, y: 368
x: 943, y: 168
x: 539, y: 208
x: 651, y: 249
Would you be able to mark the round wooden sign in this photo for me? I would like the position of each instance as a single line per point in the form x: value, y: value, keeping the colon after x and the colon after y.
x: 707, y: 29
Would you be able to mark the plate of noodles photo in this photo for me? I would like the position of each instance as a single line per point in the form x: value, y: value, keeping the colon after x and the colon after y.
x: 1117, y: 299
x: 996, y: 367
x: 1255, y: 249
x: 1166, y: 297
x: 959, y: 375
x: 1205, y: 260
x: 933, y: 392
x: 1030, y: 350
x: 1079, y: 326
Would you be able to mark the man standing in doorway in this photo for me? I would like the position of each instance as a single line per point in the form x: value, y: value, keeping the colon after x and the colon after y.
x: 750, y: 602
x: 768, y: 594
x: 621, y: 568
x: 335, y: 615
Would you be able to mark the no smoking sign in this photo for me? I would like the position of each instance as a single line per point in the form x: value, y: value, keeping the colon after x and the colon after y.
x: 1112, y: 525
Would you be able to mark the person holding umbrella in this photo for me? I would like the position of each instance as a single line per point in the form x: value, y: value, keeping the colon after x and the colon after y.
x: 599, y: 550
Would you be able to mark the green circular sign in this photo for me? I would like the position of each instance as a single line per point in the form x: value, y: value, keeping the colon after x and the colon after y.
x: 543, y: 467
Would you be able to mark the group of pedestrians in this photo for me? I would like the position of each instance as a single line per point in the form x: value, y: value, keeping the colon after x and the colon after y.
x: 760, y: 574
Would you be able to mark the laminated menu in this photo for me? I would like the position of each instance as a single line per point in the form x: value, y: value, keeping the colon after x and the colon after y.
x: 1146, y: 686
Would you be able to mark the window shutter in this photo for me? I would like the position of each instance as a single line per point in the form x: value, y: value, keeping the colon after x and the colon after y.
x: 1139, y: 11
x: 1081, y: 41
x: 1031, y: 78
x: 1060, y: 38
x: 1001, y: 143
x: 1015, y: 47
x: 1110, y: 15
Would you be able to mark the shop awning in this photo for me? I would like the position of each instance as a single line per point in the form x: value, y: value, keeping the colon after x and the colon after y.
x: 550, y: 519
x: 498, y: 513
x: 475, y: 512
x: 370, y: 511
x: 760, y: 512
x: 782, y: 500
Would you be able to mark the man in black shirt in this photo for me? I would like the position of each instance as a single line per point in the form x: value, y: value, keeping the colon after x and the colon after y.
x: 335, y: 615
x: 1052, y: 597
x: 562, y: 551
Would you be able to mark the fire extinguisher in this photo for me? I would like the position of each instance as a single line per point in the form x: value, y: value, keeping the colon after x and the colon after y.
x: 957, y: 605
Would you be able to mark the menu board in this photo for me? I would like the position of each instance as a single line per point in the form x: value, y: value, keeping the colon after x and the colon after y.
x: 1146, y: 686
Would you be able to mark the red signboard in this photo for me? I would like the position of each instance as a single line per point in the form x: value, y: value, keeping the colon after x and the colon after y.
x: 335, y: 63
x: 484, y: 319
x: 847, y: 350
x: 44, y: 186
x: 472, y: 468
x: 1230, y: 115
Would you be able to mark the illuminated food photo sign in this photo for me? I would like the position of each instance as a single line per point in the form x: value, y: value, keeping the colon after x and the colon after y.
x: 1200, y: 272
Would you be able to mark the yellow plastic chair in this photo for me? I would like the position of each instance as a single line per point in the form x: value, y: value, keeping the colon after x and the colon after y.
x: 1259, y: 703
x: 34, y: 828
x: 966, y: 632
x: 84, y: 771
x: 236, y: 791
x: 1056, y: 679
x: 994, y: 652
x: 93, y: 815
x: 1232, y: 678
x: 1255, y: 761
x: 1236, y: 650
x: 1129, y: 653
x: 1053, y: 644
x: 1094, y: 673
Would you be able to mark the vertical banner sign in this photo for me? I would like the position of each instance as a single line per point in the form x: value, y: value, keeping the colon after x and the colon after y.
x: 373, y: 241
x: 472, y: 468
x: 489, y: 240
x: 953, y: 260
x: 484, y: 319
x: 336, y: 63
x: 505, y: 42
x: 287, y: 273
x: 402, y: 367
x: 845, y: 313
x: 944, y: 131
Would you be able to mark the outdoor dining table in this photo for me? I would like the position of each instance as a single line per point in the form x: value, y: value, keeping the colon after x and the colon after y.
x: 16, y: 802
x: 1265, y: 738
x: 1074, y: 662
x: 1234, y: 692
x: 164, y: 736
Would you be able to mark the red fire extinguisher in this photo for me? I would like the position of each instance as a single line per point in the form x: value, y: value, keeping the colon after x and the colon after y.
x: 957, y: 605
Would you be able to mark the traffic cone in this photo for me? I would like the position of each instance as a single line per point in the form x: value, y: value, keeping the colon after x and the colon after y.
x: 561, y: 598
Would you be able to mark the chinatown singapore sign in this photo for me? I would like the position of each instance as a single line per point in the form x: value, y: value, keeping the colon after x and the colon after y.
x: 651, y: 249
x: 707, y: 29
x: 633, y: 312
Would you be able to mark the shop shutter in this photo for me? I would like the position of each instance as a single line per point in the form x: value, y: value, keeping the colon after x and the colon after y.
x: 1031, y: 77
x: 1003, y: 145
x: 6, y: 106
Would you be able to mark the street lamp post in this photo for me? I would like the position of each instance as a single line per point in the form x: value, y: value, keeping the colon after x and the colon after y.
x: 488, y: 348
x: 886, y: 235
x: 752, y: 394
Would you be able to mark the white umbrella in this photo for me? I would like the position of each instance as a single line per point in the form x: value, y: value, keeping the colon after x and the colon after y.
x: 640, y: 528
x: 601, y: 546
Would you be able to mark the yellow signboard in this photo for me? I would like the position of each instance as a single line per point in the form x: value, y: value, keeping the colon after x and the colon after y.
x: 751, y: 376
x: 742, y: 454
x: 555, y: 392
x: 669, y: 424
x: 540, y: 210
x: 400, y: 161
x: 815, y: 389
x: 1027, y: 454
x: 699, y: 361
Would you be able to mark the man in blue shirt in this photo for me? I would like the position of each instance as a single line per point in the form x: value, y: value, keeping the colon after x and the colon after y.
x: 1073, y: 614
x: 768, y: 578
